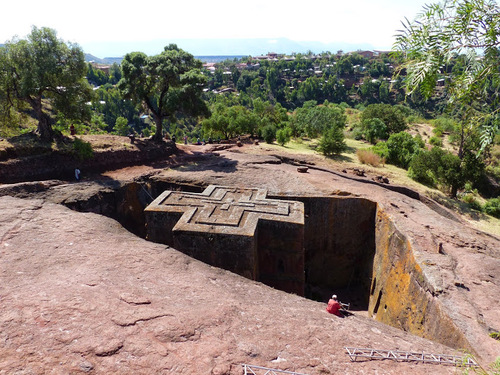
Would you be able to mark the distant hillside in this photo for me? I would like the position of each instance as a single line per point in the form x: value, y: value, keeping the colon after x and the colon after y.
x: 107, y: 60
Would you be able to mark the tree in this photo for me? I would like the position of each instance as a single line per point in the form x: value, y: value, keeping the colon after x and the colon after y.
x: 401, y: 149
x: 332, y: 142
x: 392, y: 116
x: 42, y: 68
x: 314, y: 120
x: 165, y: 84
x: 441, y: 32
x: 121, y: 126
x: 437, y: 166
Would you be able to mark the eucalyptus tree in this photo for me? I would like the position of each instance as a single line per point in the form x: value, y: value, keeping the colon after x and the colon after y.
x: 44, y: 72
x: 164, y: 84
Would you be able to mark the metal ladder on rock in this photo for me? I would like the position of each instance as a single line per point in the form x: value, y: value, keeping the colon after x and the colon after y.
x: 404, y: 356
x: 258, y: 370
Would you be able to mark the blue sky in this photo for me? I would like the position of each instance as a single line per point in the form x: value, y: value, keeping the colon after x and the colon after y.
x: 95, y: 24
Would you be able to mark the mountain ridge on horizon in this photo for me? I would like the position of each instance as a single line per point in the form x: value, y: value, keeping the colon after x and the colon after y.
x: 222, y: 47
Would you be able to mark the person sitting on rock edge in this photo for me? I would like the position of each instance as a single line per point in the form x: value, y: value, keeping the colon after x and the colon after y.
x: 334, y: 306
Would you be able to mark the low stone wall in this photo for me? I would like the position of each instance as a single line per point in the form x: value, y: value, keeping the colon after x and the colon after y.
x: 56, y: 165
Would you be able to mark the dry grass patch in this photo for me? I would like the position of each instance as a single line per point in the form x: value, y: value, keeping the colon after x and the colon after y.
x: 369, y: 157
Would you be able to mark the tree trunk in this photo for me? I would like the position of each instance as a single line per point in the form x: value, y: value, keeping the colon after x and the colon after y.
x: 158, y: 136
x: 44, y: 128
x: 454, y: 191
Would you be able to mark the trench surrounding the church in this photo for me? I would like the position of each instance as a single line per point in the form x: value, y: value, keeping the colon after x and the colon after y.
x: 352, y: 249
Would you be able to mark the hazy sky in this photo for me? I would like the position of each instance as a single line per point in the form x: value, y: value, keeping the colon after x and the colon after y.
x: 84, y: 22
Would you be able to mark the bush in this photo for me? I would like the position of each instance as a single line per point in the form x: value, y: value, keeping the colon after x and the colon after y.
x: 492, y: 207
x: 357, y: 133
x: 437, y: 167
x: 121, y: 126
x: 436, y: 141
x: 392, y: 116
x: 415, y: 119
x: 437, y: 132
x: 401, y: 149
x: 374, y: 129
x: 332, y: 142
x: 472, y: 202
x: 283, y: 135
x: 381, y: 149
x: 419, y: 168
x: 369, y: 157
x: 82, y: 150
x: 444, y: 124
x: 269, y: 133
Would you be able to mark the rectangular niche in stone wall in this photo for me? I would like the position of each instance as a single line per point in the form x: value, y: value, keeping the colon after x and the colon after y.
x: 237, y: 229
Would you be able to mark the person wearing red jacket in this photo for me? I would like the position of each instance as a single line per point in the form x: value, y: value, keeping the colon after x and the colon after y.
x: 334, y: 307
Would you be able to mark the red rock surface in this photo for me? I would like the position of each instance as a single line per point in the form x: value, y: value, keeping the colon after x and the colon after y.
x: 80, y: 294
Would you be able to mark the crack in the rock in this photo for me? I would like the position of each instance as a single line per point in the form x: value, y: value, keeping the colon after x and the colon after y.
x: 134, y: 322
x: 110, y: 352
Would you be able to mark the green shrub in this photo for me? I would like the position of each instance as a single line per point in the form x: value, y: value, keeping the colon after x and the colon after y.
x: 381, y: 149
x: 492, y: 207
x: 437, y: 132
x: 415, y: 119
x: 472, y: 202
x: 493, y: 171
x: 437, y: 167
x: 332, y: 142
x: 374, y: 129
x: 436, y: 141
x: 269, y: 133
x: 82, y: 150
x: 121, y: 126
x: 283, y: 135
x: 357, y: 133
x: 401, y: 149
x: 444, y: 124
x: 392, y: 116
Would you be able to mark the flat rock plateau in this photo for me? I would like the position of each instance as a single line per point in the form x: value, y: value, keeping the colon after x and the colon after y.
x: 81, y: 294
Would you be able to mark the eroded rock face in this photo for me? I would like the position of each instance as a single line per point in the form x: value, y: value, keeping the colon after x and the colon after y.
x: 401, y: 296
